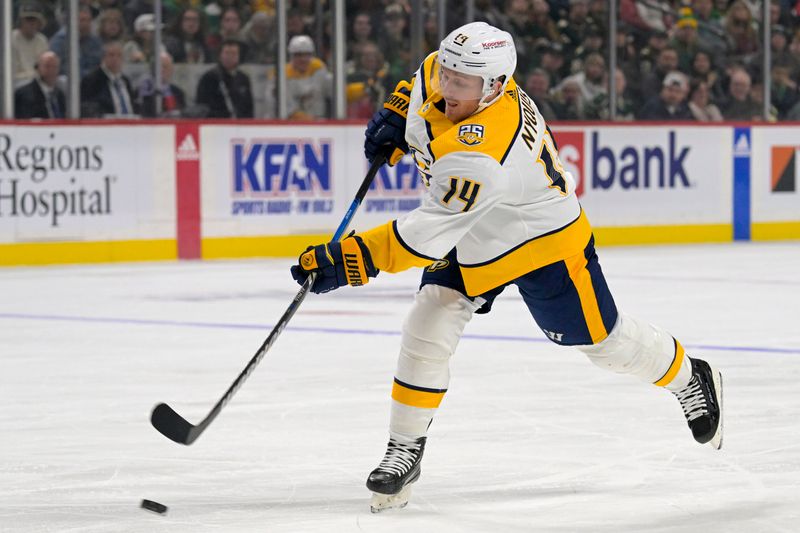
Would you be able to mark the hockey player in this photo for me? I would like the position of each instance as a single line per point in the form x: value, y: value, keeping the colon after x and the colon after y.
x: 499, y: 210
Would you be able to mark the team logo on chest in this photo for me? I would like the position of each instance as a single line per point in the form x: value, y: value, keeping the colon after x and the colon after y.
x: 470, y: 134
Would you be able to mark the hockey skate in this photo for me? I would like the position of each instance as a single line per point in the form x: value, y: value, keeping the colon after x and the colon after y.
x: 390, y: 483
x: 701, y: 401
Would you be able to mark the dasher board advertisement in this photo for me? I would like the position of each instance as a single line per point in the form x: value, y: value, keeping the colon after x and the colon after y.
x: 86, y: 183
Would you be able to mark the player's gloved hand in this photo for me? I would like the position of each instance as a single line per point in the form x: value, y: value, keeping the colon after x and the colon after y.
x: 388, y: 126
x: 347, y: 262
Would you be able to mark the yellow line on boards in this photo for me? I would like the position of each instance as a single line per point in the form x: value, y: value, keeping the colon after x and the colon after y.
x: 54, y: 253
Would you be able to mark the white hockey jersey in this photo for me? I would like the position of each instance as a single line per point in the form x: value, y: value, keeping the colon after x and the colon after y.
x: 497, y: 192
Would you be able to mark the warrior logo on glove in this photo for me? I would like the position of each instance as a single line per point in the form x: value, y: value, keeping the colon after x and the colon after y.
x: 337, y: 263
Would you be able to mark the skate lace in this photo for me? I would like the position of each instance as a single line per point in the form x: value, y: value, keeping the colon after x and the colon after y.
x: 399, y: 458
x: 692, y: 399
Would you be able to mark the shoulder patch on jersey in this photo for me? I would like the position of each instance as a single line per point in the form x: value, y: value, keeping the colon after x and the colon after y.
x: 500, y: 123
x: 470, y: 134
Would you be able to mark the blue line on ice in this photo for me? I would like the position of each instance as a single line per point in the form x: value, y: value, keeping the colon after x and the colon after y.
x: 345, y: 331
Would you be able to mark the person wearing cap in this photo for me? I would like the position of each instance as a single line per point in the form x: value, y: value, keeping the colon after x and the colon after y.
x: 309, y: 84
x: 670, y: 104
x: 27, y: 43
x: 225, y: 90
x: 42, y: 97
x: 685, y: 39
x: 140, y: 49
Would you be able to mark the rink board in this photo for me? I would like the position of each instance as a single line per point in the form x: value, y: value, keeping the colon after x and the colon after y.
x: 87, y: 192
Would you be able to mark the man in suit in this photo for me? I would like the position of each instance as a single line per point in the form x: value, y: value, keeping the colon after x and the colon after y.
x: 225, y: 90
x: 106, y: 90
x: 173, y: 99
x: 41, y: 98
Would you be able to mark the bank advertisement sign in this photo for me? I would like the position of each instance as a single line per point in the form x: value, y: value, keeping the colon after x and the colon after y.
x: 650, y: 175
x: 85, y: 183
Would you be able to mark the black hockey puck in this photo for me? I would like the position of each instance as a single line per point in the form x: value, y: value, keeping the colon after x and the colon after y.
x: 156, y: 507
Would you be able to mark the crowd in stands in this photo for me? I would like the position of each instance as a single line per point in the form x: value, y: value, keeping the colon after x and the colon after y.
x: 677, y: 59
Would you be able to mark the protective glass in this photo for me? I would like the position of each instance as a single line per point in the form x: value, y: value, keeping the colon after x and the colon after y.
x: 455, y: 85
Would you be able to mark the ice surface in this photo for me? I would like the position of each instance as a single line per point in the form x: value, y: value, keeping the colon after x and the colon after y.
x: 531, y: 436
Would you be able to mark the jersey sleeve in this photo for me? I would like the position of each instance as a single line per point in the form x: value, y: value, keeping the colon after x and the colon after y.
x: 463, y: 188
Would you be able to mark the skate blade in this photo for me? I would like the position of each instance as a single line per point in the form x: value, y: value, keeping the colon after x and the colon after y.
x: 384, y: 502
x: 716, y: 440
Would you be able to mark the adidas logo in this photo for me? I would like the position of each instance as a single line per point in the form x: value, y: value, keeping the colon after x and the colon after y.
x: 187, y: 151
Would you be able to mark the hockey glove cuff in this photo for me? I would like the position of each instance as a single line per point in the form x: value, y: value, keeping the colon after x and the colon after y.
x: 337, y: 263
x: 388, y: 126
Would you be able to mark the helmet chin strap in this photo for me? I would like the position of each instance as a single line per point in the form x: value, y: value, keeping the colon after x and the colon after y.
x: 484, y: 103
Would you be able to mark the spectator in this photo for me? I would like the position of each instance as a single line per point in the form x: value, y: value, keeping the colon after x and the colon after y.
x: 361, y: 33
x: 173, y: 100
x: 186, y: 42
x: 27, y: 43
x: 647, y: 16
x: 784, y: 91
x: 488, y: 11
x: 627, y: 54
x: 593, y: 43
x: 781, y: 55
x: 573, y: 29
x: 685, y: 40
x: 592, y: 79
x: 260, y: 39
x: 140, y: 49
x: 739, y: 104
x: 537, y: 86
x: 295, y: 23
x: 366, y: 89
x: 134, y: 8
x: 225, y: 90
x: 794, y: 113
x: 518, y: 14
x: 309, y: 84
x: 569, y: 103
x: 598, y: 109
x: 666, y: 62
x: 230, y: 27
x: 394, y: 44
x: 41, y: 98
x: 648, y: 55
x: 703, y: 110
x: 90, y: 52
x: 670, y: 103
x: 106, y: 90
x: 111, y: 26
x: 709, y: 30
x: 543, y: 27
x: 740, y: 28
x: 552, y: 62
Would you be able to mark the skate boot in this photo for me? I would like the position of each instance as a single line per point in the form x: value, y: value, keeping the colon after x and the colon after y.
x: 701, y: 401
x: 391, y: 482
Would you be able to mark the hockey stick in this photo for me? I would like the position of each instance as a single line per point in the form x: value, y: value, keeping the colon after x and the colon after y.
x: 172, y: 425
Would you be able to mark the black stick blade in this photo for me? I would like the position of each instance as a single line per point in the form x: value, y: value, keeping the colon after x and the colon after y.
x: 172, y: 425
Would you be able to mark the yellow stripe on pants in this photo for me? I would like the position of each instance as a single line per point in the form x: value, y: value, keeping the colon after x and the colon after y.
x: 674, y: 368
x: 416, y: 398
x: 576, y: 265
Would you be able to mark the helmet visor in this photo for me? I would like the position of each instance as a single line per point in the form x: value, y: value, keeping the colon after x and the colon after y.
x: 453, y: 85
